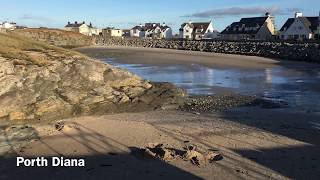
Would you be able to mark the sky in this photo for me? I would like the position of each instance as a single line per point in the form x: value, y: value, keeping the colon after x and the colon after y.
x: 128, y: 13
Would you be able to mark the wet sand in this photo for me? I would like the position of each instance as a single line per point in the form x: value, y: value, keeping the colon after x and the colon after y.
x: 206, y: 73
x: 132, y: 55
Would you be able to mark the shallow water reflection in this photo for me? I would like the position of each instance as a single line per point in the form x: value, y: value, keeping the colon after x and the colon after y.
x: 300, y: 88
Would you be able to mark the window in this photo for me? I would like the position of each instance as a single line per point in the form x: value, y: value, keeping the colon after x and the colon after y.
x: 303, y: 36
x: 187, y: 31
x: 300, y: 27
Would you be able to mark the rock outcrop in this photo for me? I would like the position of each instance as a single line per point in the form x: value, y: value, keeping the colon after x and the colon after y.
x: 299, y: 51
x: 42, y: 82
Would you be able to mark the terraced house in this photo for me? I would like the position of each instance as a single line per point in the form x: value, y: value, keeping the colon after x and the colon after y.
x: 138, y: 32
x: 157, y: 31
x: 197, y: 31
x: 259, y: 28
x: 82, y: 28
x: 152, y: 31
x: 301, y: 28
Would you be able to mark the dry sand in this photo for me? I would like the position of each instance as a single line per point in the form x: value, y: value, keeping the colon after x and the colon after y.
x: 277, y: 145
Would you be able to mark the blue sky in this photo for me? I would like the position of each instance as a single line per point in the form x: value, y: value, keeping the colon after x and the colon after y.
x: 127, y: 13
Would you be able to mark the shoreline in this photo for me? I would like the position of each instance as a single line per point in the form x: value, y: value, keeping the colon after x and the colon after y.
x: 171, y: 56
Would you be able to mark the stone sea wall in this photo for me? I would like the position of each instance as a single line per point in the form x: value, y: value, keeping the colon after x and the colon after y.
x: 299, y: 51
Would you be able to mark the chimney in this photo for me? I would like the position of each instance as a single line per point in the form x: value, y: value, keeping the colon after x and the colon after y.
x: 268, y: 14
x: 76, y: 22
x: 83, y: 22
x: 140, y: 25
x: 68, y: 22
x: 298, y: 14
x: 163, y: 24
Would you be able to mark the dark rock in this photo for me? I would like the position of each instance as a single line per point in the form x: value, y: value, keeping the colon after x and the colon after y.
x: 299, y: 51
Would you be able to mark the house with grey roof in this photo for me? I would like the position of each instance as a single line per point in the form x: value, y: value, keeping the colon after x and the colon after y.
x: 197, y: 31
x: 82, y: 28
x: 158, y: 31
x: 301, y: 28
x: 152, y: 31
x: 258, y: 28
x: 138, y: 31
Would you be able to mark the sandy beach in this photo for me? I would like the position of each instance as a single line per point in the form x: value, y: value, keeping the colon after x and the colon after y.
x: 277, y: 145
x: 168, y: 56
x: 255, y: 142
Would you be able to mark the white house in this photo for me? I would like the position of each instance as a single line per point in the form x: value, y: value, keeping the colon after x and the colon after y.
x: 166, y: 32
x: 259, y: 28
x: 138, y: 32
x: 301, y: 27
x: 82, y: 28
x: 112, y: 32
x: 152, y: 31
x: 8, y: 25
x: 94, y: 30
x: 157, y: 31
x: 198, y: 31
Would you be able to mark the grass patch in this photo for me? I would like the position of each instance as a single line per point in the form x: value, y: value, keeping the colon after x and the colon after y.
x: 14, y: 46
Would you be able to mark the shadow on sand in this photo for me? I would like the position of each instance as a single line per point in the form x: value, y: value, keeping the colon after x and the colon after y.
x: 300, y: 161
x: 293, y: 161
x: 110, y: 165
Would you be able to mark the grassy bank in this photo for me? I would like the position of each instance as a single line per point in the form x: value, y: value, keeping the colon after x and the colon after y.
x: 14, y: 46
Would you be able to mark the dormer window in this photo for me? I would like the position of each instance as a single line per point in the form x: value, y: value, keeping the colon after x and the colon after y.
x: 199, y: 30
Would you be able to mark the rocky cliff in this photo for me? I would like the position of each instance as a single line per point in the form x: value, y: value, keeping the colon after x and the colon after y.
x: 280, y: 50
x: 43, y: 82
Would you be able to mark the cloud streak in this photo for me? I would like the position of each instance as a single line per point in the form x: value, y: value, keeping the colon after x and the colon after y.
x: 35, y: 18
x: 236, y: 11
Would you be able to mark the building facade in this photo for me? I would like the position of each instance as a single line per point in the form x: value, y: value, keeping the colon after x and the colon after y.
x: 8, y: 25
x: 198, y: 31
x: 82, y: 28
x: 301, y: 28
x: 258, y: 28
x: 112, y: 32
x: 157, y: 31
x: 152, y: 31
x: 138, y: 32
